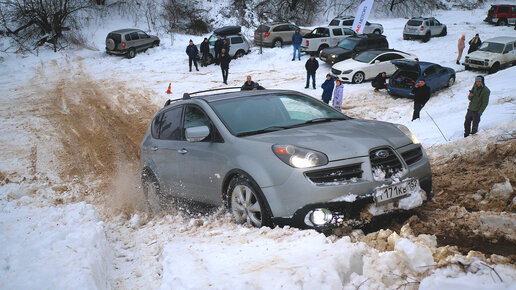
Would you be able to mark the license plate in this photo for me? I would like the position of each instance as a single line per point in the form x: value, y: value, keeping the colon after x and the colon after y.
x: 386, y: 193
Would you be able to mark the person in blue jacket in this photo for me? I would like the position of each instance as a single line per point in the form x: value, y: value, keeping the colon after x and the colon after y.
x: 192, y: 52
x: 297, y: 38
x: 327, y: 87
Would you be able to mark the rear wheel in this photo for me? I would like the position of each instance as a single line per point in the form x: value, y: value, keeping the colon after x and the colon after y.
x: 451, y: 81
x: 277, y: 43
x: 358, y: 77
x: 131, y: 53
x: 494, y: 68
x: 152, y: 192
x: 501, y: 22
x: 426, y: 38
x: 246, y: 204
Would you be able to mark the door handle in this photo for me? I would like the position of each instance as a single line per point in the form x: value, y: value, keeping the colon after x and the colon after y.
x: 182, y: 151
x: 154, y: 148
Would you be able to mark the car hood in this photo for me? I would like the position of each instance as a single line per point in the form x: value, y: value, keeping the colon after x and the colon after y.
x: 339, y: 139
x: 483, y: 55
x: 336, y: 50
x: 349, y: 64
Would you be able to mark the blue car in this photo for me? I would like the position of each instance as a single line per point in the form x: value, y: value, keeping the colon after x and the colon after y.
x: 410, y: 72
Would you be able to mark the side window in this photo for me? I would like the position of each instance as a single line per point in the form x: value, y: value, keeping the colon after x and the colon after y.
x: 430, y: 71
x: 171, y: 124
x: 513, y: 9
x: 347, y: 22
x: 194, y: 117
x: 127, y: 37
x: 337, y: 31
x: 142, y: 35
x: 389, y: 56
x: 155, y: 126
x: 508, y: 47
x: 134, y: 36
x: 431, y: 22
x: 348, y: 31
x: 281, y: 28
x: 437, y: 23
x: 504, y: 9
x: 293, y: 28
x: 236, y: 40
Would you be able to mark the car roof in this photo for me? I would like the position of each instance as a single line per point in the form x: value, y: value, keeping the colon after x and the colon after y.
x: 125, y: 30
x: 421, y: 18
x: 380, y: 50
x: 276, y: 23
x: 501, y: 39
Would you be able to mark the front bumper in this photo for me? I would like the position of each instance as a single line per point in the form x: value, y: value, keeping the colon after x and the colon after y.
x: 344, y: 213
x: 491, y: 20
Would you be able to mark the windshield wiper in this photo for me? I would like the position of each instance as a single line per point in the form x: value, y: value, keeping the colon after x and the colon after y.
x: 321, y: 120
x: 264, y: 130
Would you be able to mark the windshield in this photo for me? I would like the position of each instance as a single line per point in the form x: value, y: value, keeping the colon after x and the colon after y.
x: 492, y: 47
x: 348, y: 44
x: 212, y: 39
x: 365, y: 56
x: 260, y: 114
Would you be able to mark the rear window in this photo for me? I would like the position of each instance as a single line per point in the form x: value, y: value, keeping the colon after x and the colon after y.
x: 115, y: 36
x: 263, y: 28
x: 335, y: 22
x: 412, y: 22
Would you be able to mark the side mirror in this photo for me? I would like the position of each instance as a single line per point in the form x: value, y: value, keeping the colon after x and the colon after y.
x: 376, y: 61
x: 197, y: 134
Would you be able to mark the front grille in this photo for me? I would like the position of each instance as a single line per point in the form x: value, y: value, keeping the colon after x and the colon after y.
x: 386, y: 160
x: 412, y: 156
x: 477, y: 62
x: 336, y: 174
x: 336, y: 71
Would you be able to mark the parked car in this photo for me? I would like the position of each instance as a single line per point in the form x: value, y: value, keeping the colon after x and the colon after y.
x: 410, y: 72
x: 129, y: 41
x: 239, y: 45
x: 501, y: 15
x: 423, y: 28
x: 278, y: 157
x: 276, y: 34
x: 368, y: 64
x: 347, y: 21
x: 493, y: 54
x: 350, y: 46
x: 323, y: 37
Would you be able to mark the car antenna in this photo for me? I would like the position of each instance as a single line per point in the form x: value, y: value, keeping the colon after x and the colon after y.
x: 186, y: 96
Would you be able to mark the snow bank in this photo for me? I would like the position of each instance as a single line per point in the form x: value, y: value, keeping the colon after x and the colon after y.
x: 50, y: 247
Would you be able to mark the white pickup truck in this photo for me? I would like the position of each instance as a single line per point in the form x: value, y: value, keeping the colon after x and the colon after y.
x: 323, y: 37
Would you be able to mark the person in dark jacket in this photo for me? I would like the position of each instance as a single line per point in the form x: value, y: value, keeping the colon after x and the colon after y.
x: 311, y: 66
x: 250, y: 85
x: 218, y: 48
x: 297, y: 38
x: 205, y: 50
x: 478, y: 100
x: 421, y: 96
x: 379, y: 82
x: 225, y: 59
x: 327, y: 87
x: 192, y: 52
x: 474, y: 43
x: 225, y: 44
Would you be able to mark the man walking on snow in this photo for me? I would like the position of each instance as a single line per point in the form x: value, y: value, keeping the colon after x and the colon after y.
x: 192, y: 52
x: 478, y: 100
x: 311, y: 66
x: 421, y: 96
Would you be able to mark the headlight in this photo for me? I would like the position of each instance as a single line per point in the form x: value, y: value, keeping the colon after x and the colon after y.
x: 299, y: 157
x: 347, y: 71
x: 333, y: 56
x: 408, y: 133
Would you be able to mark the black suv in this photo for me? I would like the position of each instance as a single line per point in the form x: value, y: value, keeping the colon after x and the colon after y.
x: 351, y: 46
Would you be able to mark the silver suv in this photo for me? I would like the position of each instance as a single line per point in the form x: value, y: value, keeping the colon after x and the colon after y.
x: 276, y: 34
x: 423, y: 28
x: 280, y: 157
x: 129, y: 41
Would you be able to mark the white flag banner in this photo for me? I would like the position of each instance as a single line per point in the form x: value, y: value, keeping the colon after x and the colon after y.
x: 361, y: 17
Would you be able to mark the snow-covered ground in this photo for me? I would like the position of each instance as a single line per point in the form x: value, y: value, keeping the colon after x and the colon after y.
x: 61, y: 228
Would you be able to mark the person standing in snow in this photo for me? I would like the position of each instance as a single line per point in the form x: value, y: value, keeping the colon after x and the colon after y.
x: 205, y: 50
x: 297, y: 38
x: 421, y: 95
x: 338, y: 94
x: 225, y: 59
x: 218, y: 48
x: 478, y: 100
x: 191, y: 51
x: 474, y: 43
x: 460, y: 46
x: 225, y: 44
x: 379, y: 82
x: 311, y: 66
x: 327, y: 87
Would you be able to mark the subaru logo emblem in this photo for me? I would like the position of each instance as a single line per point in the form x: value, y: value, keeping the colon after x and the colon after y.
x: 382, y: 154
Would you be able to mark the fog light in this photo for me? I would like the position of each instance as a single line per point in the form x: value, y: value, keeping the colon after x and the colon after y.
x: 321, y: 216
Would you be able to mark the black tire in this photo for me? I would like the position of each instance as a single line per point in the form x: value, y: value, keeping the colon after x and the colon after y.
x: 467, y: 67
x: 155, y: 43
x: 426, y: 38
x: 131, y: 53
x: 239, y: 54
x: 323, y: 46
x: 405, y: 37
x: 495, y: 68
x: 358, y: 78
x: 444, y: 32
x: 377, y: 32
x: 451, y: 81
x: 252, y: 209
x: 152, y: 192
x: 501, y: 22
x: 277, y: 43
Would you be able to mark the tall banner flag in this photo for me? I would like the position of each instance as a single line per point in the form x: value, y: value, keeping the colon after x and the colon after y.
x: 361, y: 17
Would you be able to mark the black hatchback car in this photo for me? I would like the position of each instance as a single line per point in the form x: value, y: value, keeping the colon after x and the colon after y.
x: 351, y: 46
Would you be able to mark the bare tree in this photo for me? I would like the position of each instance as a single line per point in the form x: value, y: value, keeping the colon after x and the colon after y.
x: 36, y: 22
x: 185, y: 16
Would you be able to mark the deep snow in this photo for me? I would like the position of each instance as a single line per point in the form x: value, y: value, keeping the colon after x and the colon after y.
x: 49, y: 244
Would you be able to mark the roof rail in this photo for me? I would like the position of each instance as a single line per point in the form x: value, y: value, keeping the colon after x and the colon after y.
x: 187, y: 96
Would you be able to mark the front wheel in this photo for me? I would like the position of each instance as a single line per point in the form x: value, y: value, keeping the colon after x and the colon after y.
x: 494, y: 68
x: 358, y: 77
x: 377, y: 32
x: 444, y: 32
x: 245, y: 203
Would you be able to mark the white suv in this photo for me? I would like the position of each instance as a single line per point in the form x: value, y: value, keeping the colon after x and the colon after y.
x: 347, y: 21
x: 493, y: 54
x: 423, y: 28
